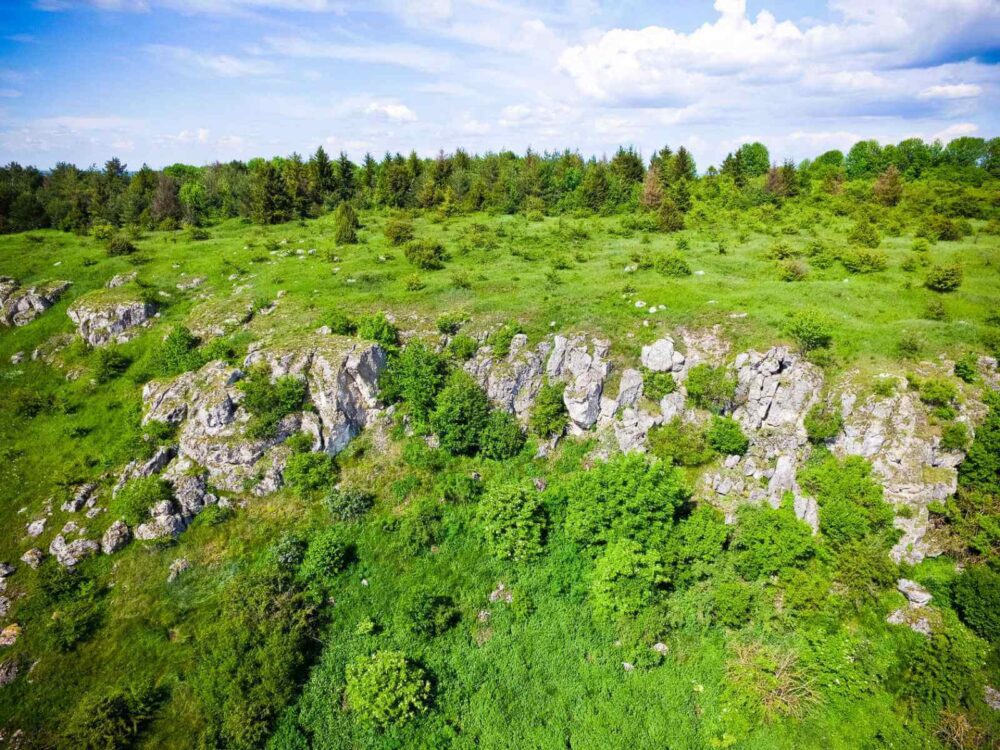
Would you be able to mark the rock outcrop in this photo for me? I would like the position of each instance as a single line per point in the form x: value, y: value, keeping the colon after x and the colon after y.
x: 105, y: 317
x: 116, y: 537
x: 584, y: 370
x: 511, y: 382
x: 19, y: 305
x: 69, y: 554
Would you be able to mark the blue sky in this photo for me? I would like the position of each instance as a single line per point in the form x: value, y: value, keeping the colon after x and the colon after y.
x: 160, y: 81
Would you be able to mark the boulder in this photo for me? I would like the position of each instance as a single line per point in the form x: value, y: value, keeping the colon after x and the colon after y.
x: 121, y: 279
x: 116, y: 537
x: 69, y: 554
x: 660, y: 356
x: 36, y: 528
x: 83, y: 494
x: 104, y: 316
x: 142, y: 469
x: 630, y: 388
x: 511, y: 382
x: 584, y: 370
x: 915, y: 594
x: 8, y: 671
x: 32, y: 558
x: 19, y: 306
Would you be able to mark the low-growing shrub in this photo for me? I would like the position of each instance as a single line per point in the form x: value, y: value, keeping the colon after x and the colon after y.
x: 864, y: 261
x: 426, y: 613
x: 327, y: 555
x: 341, y: 323
x: 711, y: 388
x: 348, y: 503
x: 673, y: 265
x: 500, y: 340
x: 823, y: 423
x: 548, y: 415
x: 954, y: 437
x: 766, y: 541
x: 386, y: 689
x: 944, y: 278
x: 463, y: 347
x: 810, y: 330
x: 625, y: 579
x: 866, y: 234
x: 726, y: 436
x: 111, y: 720
x: 428, y: 255
x: 976, y: 594
x: 307, y: 474
x: 120, y: 245
x: 345, y: 224
x: 415, y: 375
x: 461, y: 414
x: 513, y: 520
x: 792, y: 270
x: 501, y: 437
x: 398, y: 230
x: 109, y: 363
x: 680, y: 443
x: 269, y: 402
x: 656, y: 385
x: 132, y: 503
x: 967, y: 367
x: 378, y: 328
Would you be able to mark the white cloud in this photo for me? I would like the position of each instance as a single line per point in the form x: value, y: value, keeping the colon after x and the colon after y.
x: 956, y: 131
x: 404, y: 55
x: 391, y: 111
x: 222, y: 66
x: 952, y: 91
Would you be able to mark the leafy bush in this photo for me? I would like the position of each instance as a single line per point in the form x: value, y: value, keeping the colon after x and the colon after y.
x: 696, y: 545
x: 851, y: 503
x: 109, y: 363
x: 656, y: 385
x: 627, y: 497
x: 307, y: 474
x: 711, y: 388
x: 120, y: 245
x: 348, y: 503
x: 680, y: 443
x: 449, y: 323
x: 767, y: 541
x: 111, y: 720
x: 428, y: 255
x: 732, y: 603
x: 673, y: 265
x: 463, y: 347
x: 976, y: 594
x: 938, y: 227
x: 177, y: 353
x: 502, y: 437
x: 415, y: 375
x: 500, y: 340
x: 268, y: 403
x: 513, y: 521
x: 937, y: 392
x: 954, y: 437
x: 345, y: 224
x: 341, y: 324
x: 864, y: 261
x: 810, y: 330
x: 823, y: 423
x: 866, y: 234
x: 938, y: 670
x: 792, y: 270
x: 327, y: 555
x: 134, y: 500
x: 386, y: 689
x: 625, y: 579
x: 548, y: 416
x: 377, y: 328
x: 398, y: 230
x: 427, y: 614
x: 460, y: 488
x: 967, y: 367
x: 461, y: 414
x: 726, y: 436
x: 944, y: 278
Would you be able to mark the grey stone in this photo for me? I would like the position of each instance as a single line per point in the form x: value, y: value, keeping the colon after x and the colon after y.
x: 658, y: 356
x: 116, y: 537
x: 916, y: 594
x: 8, y: 671
x: 142, y: 469
x: 32, y: 558
x: 177, y: 567
x: 100, y: 324
x: 36, y: 528
x: 19, y: 306
x: 69, y: 554
x: 80, y: 497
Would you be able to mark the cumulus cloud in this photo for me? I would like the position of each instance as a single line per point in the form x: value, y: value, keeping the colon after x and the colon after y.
x: 391, y: 111
x: 957, y: 130
x: 952, y: 91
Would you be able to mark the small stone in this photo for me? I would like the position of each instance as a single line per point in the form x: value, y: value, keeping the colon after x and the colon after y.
x: 992, y: 697
x: 628, y: 666
x: 35, y: 528
x: 661, y: 648
x: 6, y: 569
x: 17, y: 358
x: 10, y: 634
x: 69, y: 554
x: 540, y: 484
x: 916, y: 594
x: 483, y: 615
x: 501, y: 594
x: 177, y: 567
x: 116, y: 537
x: 8, y: 671
x: 32, y: 558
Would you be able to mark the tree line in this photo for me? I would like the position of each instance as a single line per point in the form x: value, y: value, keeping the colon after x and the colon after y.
x: 285, y: 188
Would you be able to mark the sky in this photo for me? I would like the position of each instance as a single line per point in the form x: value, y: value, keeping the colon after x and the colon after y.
x: 162, y: 81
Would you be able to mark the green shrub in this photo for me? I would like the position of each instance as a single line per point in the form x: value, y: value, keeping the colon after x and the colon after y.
x: 133, y: 501
x: 938, y: 670
x: 954, y: 437
x: 386, y: 689
x: 884, y: 387
x: 102, y: 231
x: 341, y: 324
x: 449, y: 323
x: 967, y: 367
x: 673, y: 265
x: 626, y: 497
x: 766, y: 541
x: 938, y: 227
x: 459, y: 488
x: 944, y: 278
x: 268, y: 403
x: 851, y: 503
x: 109, y: 363
x: 823, y: 423
x: 428, y: 255
x: 680, y: 443
x: 976, y: 594
x: 502, y: 437
x: 548, y: 416
x: 426, y: 613
x: 348, y: 503
x: 865, y: 261
x: 513, y: 521
x: 398, y: 230
x: 463, y: 347
x: 177, y: 353
x: 377, y: 328
x: 810, y: 330
x: 120, y: 245
x: 625, y: 579
x: 792, y: 270
x: 415, y: 375
x: 111, y: 720
x: 421, y: 526
x: 732, y: 603
x: 696, y: 545
x: 726, y: 436
x: 307, y: 474
x: 327, y: 555
x: 656, y: 385
x: 711, y: 388
x: 866, y: 234
x: 461, y: 414
x: 500, y: 340
x: 937, y: 392
x: 345, y: 224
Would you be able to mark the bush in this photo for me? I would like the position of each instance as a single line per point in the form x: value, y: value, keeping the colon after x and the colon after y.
x: 428, y: 255
x: 109, y: 363
x: 461, y: 414
x: 309, y: 473
x: 463, y: 347
x: 823, y: 423
x: 732, y: 604
x: 944, y: 278
x: 967, y: 367
x: 341, y: 324
x: 345, y: 224
x: 513, y: 521
x: 427, y: 614
x: 865, y: 261
x: 673, y: 265
x: 501, y: 339
x: 120, y: 245
x: 656, y: 385
x: 810, y: 330
x: 625, y: 579
x: 348, y: 503
x: 177, y: 353
x: 377, y: 328
x: 710, y: 388
x: 792, y: 270
x: 502, y: 437
x: 415, y: 375
x: 327, y: 555
x: 865, y: 233
x: 134, y: 500
x: 111, y: 720
x: 976, y: 594
x: 726, y: 436
x: 459, y: 488
x: 767, y: 541
x: 937, y: 392
x: 680, y: 443
x: 548, y: 416
x: 938, y: 227
x: 386, y: 689
x: 449, y: 323
x: 851, y: 503
x: 398, y: 230
x: 954, y: 437
x: 269, y: 402
x: 627, y: 497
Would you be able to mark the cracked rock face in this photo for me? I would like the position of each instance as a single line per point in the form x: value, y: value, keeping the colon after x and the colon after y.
x: 116, y: 537
x: 19, y: 306
x: 584, y: 370
x: 660, y: 356
x: 511, y: 382
x: 69, y: 554
x: 103, y: 323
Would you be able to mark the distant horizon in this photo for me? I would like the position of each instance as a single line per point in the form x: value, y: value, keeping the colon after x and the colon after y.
x: 195, y: 81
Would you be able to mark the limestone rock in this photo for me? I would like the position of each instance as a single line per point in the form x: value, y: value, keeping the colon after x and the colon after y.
x: 19, y: 306
x: 69, y: 554
x: 511, y: 382
x: 10, y: 634
x: 584, y: 372
x: 630, y: 388
x: 992, y: 697
x: 142, y: 469
x: 105, y: 317
x: 32, y: 558
x: 83, y: 494
x: 121, y: 279
x: 177, y: 567
x: 36, y: 528
x: 916, y: 594
x: 659, y: 356
x: 8, y: 671
x: 116, y: 537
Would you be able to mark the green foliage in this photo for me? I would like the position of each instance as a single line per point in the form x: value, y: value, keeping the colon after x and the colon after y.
x: 823, y: 423
x: 111, y: 720
x: 502, y: 437
x: 976, y: 594
x: 348, y: 503
x: 726, y: 436
x: 866, y: 234
x: 810, y: 330
x: 327, y: 555
x: 656, y: 385
x: 627, y: 497
x: 120, y: 245
x: 696, y: 545
x: 463, y: 347
x: 461, y: 414
x: 954, y: 437
x: 513, y: 520
x: 377, y: 328
x: 341, y: 324
x: 732, y: 603
x: 548, y: 416
x: 268, y: 403
x: 109, y: 363
x: 851, y: 505
x: 766, y: 541
x: 133, y: 502
x: 415, y: 375
x: 500, y: 340
x: 711, y: 388
x: 680, y: 443
x: 426, y: 613
x: 449, y: 323
x: 308, y: 474
x: 177, y: 353
x: 936, y: 391
x: 345, y: 224
x: 938, y: 670
x: 944, y: 278
x: 672, y: 265
x: 625, y: 579
x: 967, y: 367
x: 386, y: 689
x: 864, y: 261
x: 426, y: 254
x: 399, y: 230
